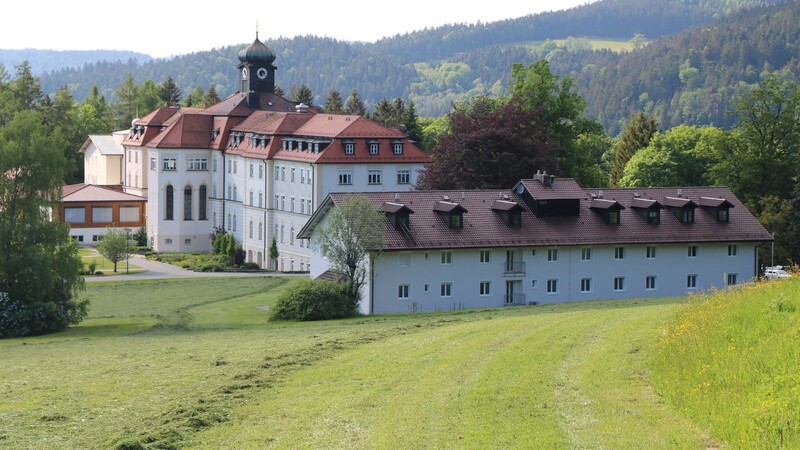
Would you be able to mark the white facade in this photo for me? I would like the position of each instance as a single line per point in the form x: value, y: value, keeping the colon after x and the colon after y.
x: 550, y: 275
x: 102, y: 159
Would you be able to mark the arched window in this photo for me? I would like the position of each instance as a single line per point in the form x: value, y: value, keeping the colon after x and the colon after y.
x: 203, y: 203
x: 187, y: 203
x: 170, y: 203
x: 234, y: 222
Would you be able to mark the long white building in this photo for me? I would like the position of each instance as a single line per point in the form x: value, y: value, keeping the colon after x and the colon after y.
x: 256, y: 165
x: 550, y: 241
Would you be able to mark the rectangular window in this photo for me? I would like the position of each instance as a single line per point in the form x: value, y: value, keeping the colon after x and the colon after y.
x: 397, y: 147
x: 427, y: 288
x: 403, y: 177
x: 374, y: 176
x: 651, y: 251
x: 349, y: 148
x: 446, y: 289
x: 687, y: 216
x: 198, y: 163
x: 486, y: 288
x: 619, y: 252
x: 552, y: 254
x: 345, y: 177
x: 586, y: 254
x: 533, y: 284
x: 586, y: 284
x: 291, y: 204
x: 169, y: 164
x: 653, y: 217
x: 260, y: 171
x: 552, y: 286
x: 402, y: 291
x: 251, y: 170
x: 152, y: 164
x: 691, y: 281
x: 373, y: 148
x: 619, y: 283
x: 283, y: 173
x: 732, y: 250
x: 650, y: 282
x: 283, y: 203
x: 533, y: 252
x: 187, y: 241
x: 732, y: 279
x: 277, y: 172
x: 722, y: 215
x: 404, y: 259
x: 128, y: 213
x: 486, y: 256
x: 101, y: 214
x: 447, y: 257
x: 75, y: 214
x: 292, y: 177
x: 692, y: 251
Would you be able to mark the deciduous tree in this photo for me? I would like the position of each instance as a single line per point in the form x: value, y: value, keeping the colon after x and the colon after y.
x: 353, y: 231
x: 115, y: 246
x: 39, y: 262
x: 491, y: 143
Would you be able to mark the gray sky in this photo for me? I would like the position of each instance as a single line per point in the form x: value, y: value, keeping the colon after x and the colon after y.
x: 167, y: 27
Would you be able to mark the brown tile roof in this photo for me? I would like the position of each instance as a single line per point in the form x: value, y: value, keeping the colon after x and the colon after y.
x: 678, y: 202
x: 562, y: 188
x: 484, y: 227
x: 645, y: 203
x: 189, y: 130
x: 91, y: 193
x: 601, y: 203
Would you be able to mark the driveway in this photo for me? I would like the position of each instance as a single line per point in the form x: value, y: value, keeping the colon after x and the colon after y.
x: 157, y: 270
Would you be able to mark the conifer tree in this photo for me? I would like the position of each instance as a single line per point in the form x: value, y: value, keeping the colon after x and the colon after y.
x: 635, y: 137
x: 211, y: 98
x: 302, y: 94
x: 169, y: 93
x: 334, y: 103
x: 355, y: 105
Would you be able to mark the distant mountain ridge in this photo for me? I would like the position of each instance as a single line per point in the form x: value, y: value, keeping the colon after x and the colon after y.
x: 42, y: 61
x: 436, y: 67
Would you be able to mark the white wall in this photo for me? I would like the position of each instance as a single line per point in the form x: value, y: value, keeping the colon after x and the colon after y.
x: 671, y: 267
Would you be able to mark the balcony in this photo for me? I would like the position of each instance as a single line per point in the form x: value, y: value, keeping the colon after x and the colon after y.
x: 514, y: 269
x: 515, y: 299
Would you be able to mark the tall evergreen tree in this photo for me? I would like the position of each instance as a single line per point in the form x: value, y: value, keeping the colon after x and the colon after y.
x: 411, y: 122
x: 635, y: 137
x: 195, y: 98
x: 385, y: 113
x: 26, y: 90
x: 127, y: 108
x: 334, y: 104
x: 302, y: 94
x: 355, y: 105
x: 169, y: 93
x: 211, y: 97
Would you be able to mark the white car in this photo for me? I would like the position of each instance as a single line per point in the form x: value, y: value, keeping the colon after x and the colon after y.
x: 776, y: 273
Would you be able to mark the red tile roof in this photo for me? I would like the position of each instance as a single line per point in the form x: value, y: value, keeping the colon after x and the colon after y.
x: 483, y: 227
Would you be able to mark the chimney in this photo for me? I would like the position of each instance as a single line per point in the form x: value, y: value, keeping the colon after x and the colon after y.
x: 543, y: 178
x: 301, y: 108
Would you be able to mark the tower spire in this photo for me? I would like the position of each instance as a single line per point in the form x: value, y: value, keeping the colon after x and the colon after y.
x: 256, y: 29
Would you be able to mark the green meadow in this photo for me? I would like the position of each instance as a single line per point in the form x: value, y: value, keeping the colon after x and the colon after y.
x: 194, y: 363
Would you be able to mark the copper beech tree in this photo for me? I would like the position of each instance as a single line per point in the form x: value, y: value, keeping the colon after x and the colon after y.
x: 492, y: 143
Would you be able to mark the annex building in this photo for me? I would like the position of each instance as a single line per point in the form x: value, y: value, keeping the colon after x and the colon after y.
x: 256, y: 165
x: 548, y: 240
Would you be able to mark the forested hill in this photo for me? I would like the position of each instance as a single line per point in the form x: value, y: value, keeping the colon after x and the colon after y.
x: 618, y: 19
x: 727, y: 48
x: 689, y: 78
x: 51, y: 60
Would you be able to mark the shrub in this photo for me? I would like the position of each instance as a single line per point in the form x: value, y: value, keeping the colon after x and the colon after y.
x: 314, y: 300
x: 92, y: 267
x: 250, y: 265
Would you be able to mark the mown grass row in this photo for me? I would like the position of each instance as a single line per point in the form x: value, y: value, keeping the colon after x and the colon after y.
x: 731, y: 362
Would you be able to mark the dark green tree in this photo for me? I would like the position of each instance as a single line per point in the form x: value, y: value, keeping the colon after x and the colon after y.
x: 39, y: 263
x: 385, y: 113
x: 169, y: 93
x: 635, y: 137
x: 273, y: 253
x: 195, y: 98
x: 211, y: 96
x: 355, y: 105
x: 149, y: 97
x: 26, y: 90
x: 302, y: 94
x: 127, y: 108
x: 334, y: 103
x: 279, y: 91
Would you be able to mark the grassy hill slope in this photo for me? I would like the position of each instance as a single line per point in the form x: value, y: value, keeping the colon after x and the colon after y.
x: 195, y: 363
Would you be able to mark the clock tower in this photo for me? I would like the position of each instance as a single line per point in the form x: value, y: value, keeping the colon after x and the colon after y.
x: 256, y: 71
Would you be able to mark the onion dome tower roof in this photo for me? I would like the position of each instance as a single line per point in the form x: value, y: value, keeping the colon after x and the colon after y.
x: 257, y: 52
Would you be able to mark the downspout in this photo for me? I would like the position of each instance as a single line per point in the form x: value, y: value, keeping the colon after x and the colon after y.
x: 224, y: 168
x: 266, y: 202
x: 371, y: 286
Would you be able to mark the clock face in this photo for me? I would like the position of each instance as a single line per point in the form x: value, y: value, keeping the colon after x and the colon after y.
x: 244, y: 73
x: 262, y: 73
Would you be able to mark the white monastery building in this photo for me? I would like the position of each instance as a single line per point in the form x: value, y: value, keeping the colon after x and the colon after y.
x: 256, y: 165
x: 549, y: 241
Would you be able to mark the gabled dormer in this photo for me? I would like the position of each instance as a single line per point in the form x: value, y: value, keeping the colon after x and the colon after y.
x: 718, y: 207
x: 509, y: 211
x: 681, y: 207
x: 452, y: 213
x: 548, y: 196
x: 648, y: 209
x: 398, y: 215
x: 608, y: 210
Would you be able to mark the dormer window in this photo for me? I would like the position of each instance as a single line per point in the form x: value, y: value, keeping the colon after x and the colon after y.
x: 398, y: 215
x: 349, y: 148
x: 683, y: 208
x: 717, y: 206
x: 509, y: 211
x: 284, y: 145
x: 374, y: 148
x: 397, y: 148
x: 452, y: 213
x: 648, y: 209
x: 653, y: 216
x: 214, y: 134
x: 607, y: 209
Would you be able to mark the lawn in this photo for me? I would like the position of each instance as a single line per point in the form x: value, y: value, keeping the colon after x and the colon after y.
x: 195, y: 363
x: 89, y: 256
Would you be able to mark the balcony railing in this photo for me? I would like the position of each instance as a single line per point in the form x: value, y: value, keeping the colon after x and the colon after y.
x: 515, y: 299
x: 514, y: 268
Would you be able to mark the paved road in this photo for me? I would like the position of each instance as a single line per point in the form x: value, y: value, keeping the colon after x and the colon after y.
x: 156, y: 270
